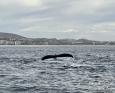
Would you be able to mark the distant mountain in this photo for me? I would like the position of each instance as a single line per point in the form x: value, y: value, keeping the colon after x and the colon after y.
x: 84, y: 40
x: 14, y: 39
x: 10, y: 36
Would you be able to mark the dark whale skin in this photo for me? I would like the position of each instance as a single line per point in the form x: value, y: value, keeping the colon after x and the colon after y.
x: 55, y: 56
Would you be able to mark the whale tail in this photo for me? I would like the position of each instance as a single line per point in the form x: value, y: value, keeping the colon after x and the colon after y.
x: 48, y: 57
x: 64, y: 55
x: 55, y: 56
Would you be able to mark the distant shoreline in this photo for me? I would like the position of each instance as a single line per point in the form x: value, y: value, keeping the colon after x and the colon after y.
x: 53, y: 45
x: 13, y: 39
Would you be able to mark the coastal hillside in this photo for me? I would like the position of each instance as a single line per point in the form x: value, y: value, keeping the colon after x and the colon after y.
x: 10, y: 36
x: 14, y: 39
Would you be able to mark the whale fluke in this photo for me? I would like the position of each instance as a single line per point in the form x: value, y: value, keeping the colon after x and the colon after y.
x: 55, y: 56
x: 48, y: 57
x: 64, y: 55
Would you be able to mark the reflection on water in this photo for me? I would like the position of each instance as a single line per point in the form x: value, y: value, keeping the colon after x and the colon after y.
x: 91, y: 71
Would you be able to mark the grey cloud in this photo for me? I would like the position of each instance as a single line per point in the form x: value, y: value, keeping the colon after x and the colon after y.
x: 51, y: 19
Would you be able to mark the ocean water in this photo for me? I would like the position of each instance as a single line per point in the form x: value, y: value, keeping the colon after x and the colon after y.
x: 92, y: 70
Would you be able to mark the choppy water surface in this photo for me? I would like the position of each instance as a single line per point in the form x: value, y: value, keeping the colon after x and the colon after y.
x: 91, y: 71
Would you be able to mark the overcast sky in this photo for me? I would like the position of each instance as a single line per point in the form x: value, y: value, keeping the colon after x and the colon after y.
x: 91, y: 19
